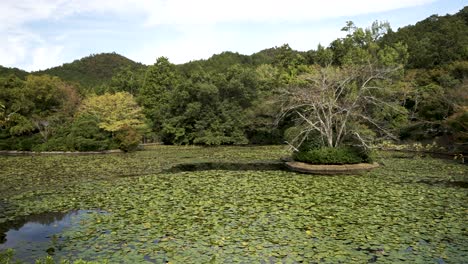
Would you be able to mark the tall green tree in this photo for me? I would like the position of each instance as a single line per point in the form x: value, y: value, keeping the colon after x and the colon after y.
x: 127, y: 80
x: 160, y: 80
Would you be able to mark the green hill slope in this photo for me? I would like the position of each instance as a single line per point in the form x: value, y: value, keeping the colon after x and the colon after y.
x: 93, y: 70
x: 434, y: 41
x: 5, y: 71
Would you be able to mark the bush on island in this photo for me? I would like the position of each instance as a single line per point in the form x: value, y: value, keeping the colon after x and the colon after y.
x: 336, y: 156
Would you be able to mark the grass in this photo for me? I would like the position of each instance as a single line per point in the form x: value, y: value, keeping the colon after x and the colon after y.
x: 406, y: 210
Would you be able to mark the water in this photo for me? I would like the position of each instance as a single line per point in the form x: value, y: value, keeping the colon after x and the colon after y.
x: 231, y: 166
x: 36, y: 236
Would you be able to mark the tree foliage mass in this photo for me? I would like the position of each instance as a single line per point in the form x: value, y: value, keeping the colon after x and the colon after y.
x: 408, y: 84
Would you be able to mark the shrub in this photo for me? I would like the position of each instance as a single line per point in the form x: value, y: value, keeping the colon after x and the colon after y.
x: 90, y: 144
x: 27, y: 143
x: 8, y: 143
x: 311, y: 143
x: 328, y: 155
x: 85, y: 135
x: 128, y: 139
x: 53, y: 144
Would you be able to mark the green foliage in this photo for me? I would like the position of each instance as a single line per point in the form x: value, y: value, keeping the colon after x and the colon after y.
x: 86, y: 135
x: 128, y: 138
x: 218, y: 62
x: 5, y: 72
x: 92, y: 71
x: 127, y: 80
x: 18, y: 124
x: 6, y: 256
x: 313, y: 141
x: 54, y: 144
x: 322, y: 56
x: 278, y: 55
x: 260, y: 127
x: 328, y: 155
x: 2, y: 115
x: 431, y: 98
x: 437, y: 40
x: 457, y: 124
x: 206, y: 109
x: 36, y: 104
x: 274, y: 216
x: 361, y: 46
x: 22, y: 143
x: 232, y: 98
x: 51, y: 260
x: 160, y: 80
x: 114, y: 111
x: 393, y: 115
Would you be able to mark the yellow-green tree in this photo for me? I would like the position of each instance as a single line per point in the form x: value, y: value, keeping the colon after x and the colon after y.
x: 119, y: 114
x: 114, y: 111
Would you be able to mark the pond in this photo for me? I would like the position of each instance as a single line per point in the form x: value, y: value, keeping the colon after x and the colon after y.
x: 196, y: 205
x: 35, y: 236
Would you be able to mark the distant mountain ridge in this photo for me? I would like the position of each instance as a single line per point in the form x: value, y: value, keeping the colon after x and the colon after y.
x: 434, y: 41
x: 93, y: 70
x: 4, y: 71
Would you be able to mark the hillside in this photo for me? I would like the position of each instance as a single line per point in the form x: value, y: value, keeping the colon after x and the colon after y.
x: 221, y: 62
x: 4, y: 71
x: 436, y: 40
x: 93, y: 70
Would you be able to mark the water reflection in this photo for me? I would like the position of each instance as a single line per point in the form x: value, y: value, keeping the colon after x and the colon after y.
x: 36, y: 236
x: 231, y: 166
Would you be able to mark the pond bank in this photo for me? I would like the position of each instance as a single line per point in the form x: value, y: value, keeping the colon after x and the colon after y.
x: 28, y: 153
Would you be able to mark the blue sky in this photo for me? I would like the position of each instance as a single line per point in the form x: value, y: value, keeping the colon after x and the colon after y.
x: 39, y: 34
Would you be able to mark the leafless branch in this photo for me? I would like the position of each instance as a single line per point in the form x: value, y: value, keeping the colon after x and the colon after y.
x: 332, y: 98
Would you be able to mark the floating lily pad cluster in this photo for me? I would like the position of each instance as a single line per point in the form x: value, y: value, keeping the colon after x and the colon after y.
x: 391, y: 214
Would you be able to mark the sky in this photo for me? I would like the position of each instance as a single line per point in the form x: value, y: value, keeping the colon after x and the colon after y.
x: 40, y: 34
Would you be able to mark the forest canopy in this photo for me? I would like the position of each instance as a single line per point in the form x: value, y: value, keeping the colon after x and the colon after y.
x: 106, y: 100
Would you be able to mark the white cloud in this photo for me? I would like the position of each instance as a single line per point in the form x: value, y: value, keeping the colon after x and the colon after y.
x: 216, y: 11
x: 195, y: 21
x: 196, y: 42
x: 192, y: 43
x: 189, y: 12
x: 16, y: 46
x: 45, y: 57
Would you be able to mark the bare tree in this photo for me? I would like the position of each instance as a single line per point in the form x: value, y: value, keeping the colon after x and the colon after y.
x: 44, y: 127
x: 333, y: 103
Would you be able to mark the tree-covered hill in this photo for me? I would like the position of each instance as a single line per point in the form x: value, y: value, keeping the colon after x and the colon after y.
x: 5, y: 71
x: 434, y: 41
x: 93, y: 70
x: 221, y: 62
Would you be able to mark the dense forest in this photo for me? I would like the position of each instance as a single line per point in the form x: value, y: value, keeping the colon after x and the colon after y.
x: 107, y: 101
